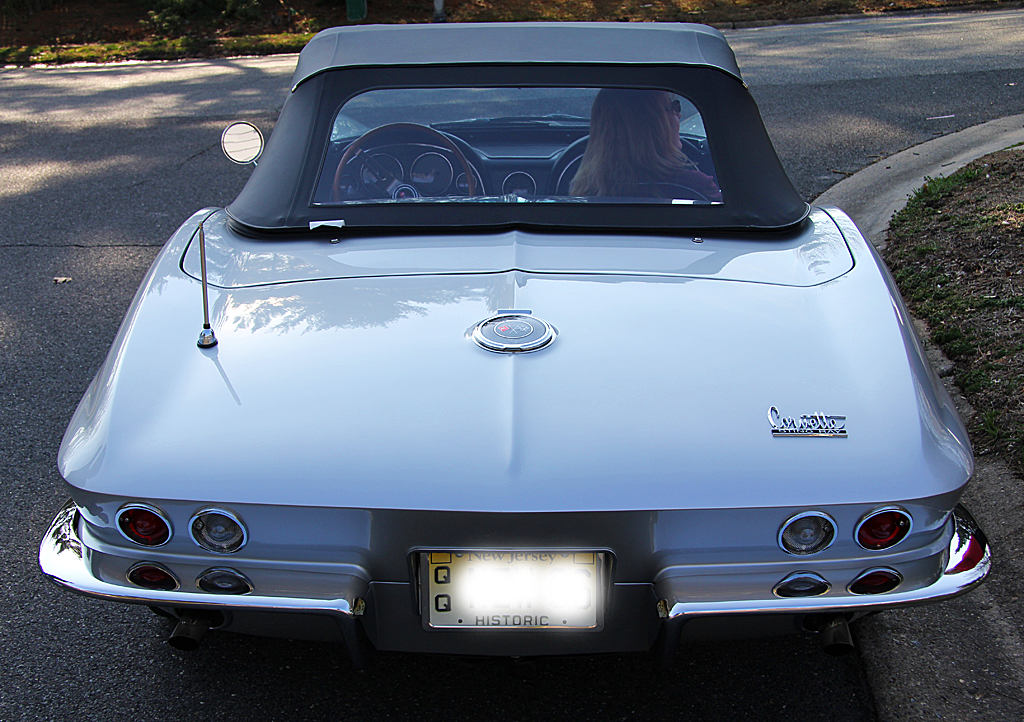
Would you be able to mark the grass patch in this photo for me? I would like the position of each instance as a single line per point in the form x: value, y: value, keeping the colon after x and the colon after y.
x: 157, y: 49
x: 62, y: 31
x: 957, y: 254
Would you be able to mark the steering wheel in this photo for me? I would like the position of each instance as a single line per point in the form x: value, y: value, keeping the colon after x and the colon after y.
x: 566, y: 165
x: 386, y: 181
x: 675, y: 190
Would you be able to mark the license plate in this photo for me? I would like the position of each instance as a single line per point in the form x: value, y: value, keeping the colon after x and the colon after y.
x: 512, y: 589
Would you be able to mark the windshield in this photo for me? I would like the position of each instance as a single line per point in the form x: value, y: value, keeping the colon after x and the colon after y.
x: 517, y: 145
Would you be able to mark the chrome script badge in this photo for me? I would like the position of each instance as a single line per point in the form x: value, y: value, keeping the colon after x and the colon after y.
x: 806, y: 424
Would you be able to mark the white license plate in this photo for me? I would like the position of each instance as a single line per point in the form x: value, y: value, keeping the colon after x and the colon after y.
x: 513, y: 589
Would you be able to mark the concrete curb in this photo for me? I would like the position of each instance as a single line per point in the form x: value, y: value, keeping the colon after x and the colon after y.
x: 872, y: 195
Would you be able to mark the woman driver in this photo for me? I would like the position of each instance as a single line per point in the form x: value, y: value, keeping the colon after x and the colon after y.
x: 634, y: 150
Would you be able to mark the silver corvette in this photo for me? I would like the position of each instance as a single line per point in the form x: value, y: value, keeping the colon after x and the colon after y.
x: 518, y: 341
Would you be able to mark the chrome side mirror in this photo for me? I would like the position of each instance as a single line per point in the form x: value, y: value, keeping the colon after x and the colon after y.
x: 242, y: 142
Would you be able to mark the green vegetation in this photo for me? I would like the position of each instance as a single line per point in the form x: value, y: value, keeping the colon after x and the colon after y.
x: 62, y: 31
x: 157, y: 49
x: 957, y: 254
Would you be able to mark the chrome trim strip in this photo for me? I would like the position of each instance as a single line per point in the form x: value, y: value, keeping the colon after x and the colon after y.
x: 63, y: 558
x: 970, y: 559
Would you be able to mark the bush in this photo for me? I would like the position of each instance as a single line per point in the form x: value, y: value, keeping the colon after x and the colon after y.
x: 174, y: 17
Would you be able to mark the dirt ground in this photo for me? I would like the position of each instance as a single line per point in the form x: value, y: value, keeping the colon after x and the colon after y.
x: 957, y: 253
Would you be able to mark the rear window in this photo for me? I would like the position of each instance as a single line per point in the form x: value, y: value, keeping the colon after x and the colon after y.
x: 517, y: 145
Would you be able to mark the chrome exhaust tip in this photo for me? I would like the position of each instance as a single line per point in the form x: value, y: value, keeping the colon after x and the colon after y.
x: 835, y: 636
x: 189, y: 631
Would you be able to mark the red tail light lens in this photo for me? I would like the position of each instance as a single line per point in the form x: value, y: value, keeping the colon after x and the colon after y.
x: 143, y: 525
x: 883, y: 529
x: 876, y: 581
x: 151, y: 576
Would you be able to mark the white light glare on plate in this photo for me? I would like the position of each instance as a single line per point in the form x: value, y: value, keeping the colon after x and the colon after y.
x: 488, y: 588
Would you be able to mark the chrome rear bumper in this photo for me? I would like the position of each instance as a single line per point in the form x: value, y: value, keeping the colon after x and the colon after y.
x: 66, y: 559
x: 63, y: 559
x: 969, y: 561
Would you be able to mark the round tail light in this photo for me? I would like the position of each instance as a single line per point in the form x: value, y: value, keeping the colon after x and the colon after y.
x: 807, y: 533
x: 223, y: 581
x: 876, y: 581
x: 143, y: 524
x: 883, y: 529
x: 152, y: 576
x: 802, y: 584
x: 217, y: 530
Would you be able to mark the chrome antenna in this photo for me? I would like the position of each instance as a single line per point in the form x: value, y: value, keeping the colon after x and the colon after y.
x: 206, y: 337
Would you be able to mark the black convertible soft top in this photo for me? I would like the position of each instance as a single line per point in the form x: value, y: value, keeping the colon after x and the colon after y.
x: 515, y: 43
x: 692, y: 60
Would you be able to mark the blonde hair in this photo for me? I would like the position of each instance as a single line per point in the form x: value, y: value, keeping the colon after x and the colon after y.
x: 630, y: 144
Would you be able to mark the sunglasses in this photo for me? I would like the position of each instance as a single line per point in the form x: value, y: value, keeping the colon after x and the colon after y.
x: 675, y: 107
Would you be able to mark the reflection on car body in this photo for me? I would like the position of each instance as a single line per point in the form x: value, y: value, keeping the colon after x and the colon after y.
x: 458, y: 397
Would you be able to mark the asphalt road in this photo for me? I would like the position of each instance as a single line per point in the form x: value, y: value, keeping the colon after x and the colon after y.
x: 97, y: 168
x: 836, y: 97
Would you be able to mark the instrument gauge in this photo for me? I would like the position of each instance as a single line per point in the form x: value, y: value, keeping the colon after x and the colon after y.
x: 520, y: 183
x: 431, y: 173
x: 377, y: 165
x: 462, y: 185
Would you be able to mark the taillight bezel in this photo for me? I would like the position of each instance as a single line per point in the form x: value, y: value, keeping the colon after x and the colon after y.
x: 141, y: 506
x: 225, y: 513
x: 891, y: 509
x: 875, y: 570
x: 227, y: 571
x: 803, y: 515
x: 153, y: 565
x: 782, y: 591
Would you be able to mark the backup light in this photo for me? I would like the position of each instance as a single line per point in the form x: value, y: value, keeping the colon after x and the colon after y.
x: 807, y: 533
x: 152, y: 576
x: 802, y: 584
x: 143, y: 524
x: 217, y: 530
x: 223, y: 581
x: 876, y: 581
x: 883, y: 528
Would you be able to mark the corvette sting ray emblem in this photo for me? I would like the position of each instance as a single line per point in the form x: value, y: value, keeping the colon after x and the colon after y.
x: 513, y: 332
x: 806, y: 424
